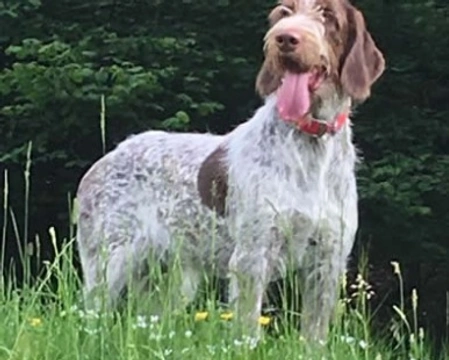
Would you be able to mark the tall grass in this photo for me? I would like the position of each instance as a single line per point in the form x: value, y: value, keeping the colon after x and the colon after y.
x: 42, y: 321
x: 39, y: 323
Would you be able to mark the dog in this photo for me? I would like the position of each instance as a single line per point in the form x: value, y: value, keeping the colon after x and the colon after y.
x: 276, y: 193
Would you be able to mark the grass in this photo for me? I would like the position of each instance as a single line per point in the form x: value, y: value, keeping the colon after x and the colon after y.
x: 37, y: 323
x: 42, y: 322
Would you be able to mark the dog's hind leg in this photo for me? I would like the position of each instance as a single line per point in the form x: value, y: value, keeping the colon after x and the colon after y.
x: 110, y: 253
x: 184, y: 287
x: 91, y: 282
x: 171, y: 290
x: 92, y: 258
x: 106, y: 277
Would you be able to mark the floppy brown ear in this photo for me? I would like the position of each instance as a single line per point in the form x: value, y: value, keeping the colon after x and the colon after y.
x: 364, y: 63
x: 268, y: 80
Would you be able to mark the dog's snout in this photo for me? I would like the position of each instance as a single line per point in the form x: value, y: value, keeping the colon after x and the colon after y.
x: 287, y: 41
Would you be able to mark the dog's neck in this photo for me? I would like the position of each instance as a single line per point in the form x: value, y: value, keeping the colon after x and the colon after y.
x: 270, y: 141
x: 331, y: 117
x: 266, y: 125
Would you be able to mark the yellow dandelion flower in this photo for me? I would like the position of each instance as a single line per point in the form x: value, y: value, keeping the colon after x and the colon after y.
x: 264, y: 320
x: 201, y: 316
x: 35, y: 322
x: 226, y: 316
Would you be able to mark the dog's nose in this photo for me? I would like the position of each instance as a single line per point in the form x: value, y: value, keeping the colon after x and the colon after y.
x: 287, y: 42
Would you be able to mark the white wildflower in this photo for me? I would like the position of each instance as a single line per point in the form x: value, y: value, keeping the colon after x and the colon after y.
x: 155, y: 337
x: 91, y: 331
x: 141, y: 322
x: 363, y: 344
x: 251, y: 342
x: 238, y: 343
x: 211, y: 349
x: 167, y: 352
x: 347, y: 339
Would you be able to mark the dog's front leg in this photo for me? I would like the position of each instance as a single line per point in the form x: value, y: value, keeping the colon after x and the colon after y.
x: 324, y: 265
x: 250, y: 271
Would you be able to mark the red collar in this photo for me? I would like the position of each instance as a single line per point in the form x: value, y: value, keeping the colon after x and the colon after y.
x: 318, y: 128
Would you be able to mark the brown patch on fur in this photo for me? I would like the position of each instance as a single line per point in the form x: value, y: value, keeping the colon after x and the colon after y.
x: 364, y: 63
x: 213, y: 181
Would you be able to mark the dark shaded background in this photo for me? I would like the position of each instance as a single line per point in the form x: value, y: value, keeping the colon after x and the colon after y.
x: 191, y: 65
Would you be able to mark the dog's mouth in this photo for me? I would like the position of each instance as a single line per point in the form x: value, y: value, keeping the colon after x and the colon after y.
x: 294, y: 96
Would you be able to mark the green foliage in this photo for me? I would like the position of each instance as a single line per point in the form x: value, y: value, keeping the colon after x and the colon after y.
x: 404, y: 134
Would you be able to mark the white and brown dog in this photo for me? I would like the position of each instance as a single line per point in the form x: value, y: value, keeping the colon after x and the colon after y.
x: 277, y: 192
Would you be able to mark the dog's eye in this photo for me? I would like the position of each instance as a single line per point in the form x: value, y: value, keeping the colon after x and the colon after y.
x: 284, y: 11
x: 331, y: 19
x: 328, y: 13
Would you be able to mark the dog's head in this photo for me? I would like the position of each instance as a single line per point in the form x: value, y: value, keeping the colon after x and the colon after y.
x: 318, y: 56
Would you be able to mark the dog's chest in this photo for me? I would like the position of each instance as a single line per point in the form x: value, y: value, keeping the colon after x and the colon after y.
x: 304, y: 189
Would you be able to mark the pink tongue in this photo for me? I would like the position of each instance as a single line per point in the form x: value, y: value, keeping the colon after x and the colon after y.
x: 293, y: 97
